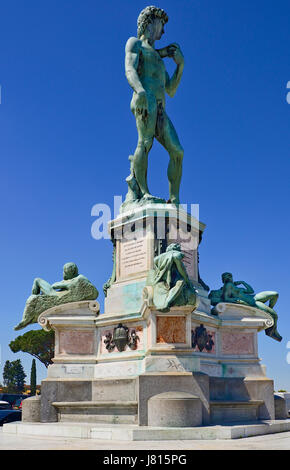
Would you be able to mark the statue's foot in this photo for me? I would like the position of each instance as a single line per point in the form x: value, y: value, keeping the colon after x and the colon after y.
x: 21, y: 325
x: 277, y: 337
x: 273, y: 334
x: 174, y: 201
x: 147, y: 196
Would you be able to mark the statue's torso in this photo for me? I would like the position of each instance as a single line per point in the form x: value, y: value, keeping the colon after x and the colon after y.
x: 151, y: 71
x: 241, y: 295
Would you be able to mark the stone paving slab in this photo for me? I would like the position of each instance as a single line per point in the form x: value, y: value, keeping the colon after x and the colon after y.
x: 127, y: 432
x: 280, y: 441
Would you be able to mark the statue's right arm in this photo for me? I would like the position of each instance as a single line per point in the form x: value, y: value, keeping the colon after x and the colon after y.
x: 133, y: 47
x: 132, y: 52
x: 59, y: 286
x: 248, y: 289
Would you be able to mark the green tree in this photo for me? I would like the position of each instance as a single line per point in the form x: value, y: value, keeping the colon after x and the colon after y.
x: 38, y: 343
x: 14, y: 376
x: 7, y: 375
x: 33, y: 378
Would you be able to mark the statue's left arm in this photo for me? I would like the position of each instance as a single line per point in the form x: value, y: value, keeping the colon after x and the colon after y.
x: 173, y: 50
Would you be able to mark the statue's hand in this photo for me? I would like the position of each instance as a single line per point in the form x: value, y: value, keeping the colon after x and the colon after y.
x: 142, y: 104
x: 174, y: 51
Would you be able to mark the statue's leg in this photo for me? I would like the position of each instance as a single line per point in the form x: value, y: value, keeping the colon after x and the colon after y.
x: 40, y: 285
x: 146, y: 131
x: 270, y: 296
x: 174, y: 292
x: 272, y: 331
x: 168, y: 137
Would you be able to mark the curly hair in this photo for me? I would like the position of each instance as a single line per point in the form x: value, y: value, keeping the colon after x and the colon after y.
x: 147, y: 16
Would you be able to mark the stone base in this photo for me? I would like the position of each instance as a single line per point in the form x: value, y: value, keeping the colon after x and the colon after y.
x: 31, y: 409
x: 129, y: 432
x: 174, y: 409
x: 281, y: 411
x: 126, y: 399
x: 94, y: 378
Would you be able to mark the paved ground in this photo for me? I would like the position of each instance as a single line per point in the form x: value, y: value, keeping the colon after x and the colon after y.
x: 280, y: 441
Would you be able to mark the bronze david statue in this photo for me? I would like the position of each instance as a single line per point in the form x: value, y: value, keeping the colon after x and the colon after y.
x: 146, y: 74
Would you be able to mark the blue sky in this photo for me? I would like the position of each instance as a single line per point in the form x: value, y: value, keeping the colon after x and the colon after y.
x: 67, y: 130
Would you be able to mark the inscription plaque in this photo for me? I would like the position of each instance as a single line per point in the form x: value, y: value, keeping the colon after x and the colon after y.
x: 133, y: 256
x: 188, y: 241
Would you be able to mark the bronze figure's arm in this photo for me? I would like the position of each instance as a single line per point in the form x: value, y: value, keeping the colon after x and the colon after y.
x: 173, y: 82
x: 131, y: 65
x: 248, y: 289
x: 181, y: 269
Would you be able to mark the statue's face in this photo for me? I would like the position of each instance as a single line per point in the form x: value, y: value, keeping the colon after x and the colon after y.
x: 159, y: 28
x: 227, y: 277
x: 156, y: 28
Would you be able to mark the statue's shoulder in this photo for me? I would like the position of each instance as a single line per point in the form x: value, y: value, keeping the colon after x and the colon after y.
x: 163, y: 257
x: 81, y: 277
x: 133, y: 45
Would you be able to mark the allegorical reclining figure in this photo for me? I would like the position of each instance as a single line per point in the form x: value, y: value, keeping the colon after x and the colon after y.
x: 230, y: 292
x: 73, y: 288
x: 169, y: 279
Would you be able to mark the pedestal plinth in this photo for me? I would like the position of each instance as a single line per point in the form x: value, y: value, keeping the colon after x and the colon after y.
x: 106, y: 367
x: 140, y: 235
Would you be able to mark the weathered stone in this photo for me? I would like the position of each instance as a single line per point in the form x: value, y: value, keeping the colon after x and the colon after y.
x: 59, y: 391
x: 285, y: 395
x: 281, y: 411
x: 262, y: 389
x: 31, y: 409
x: 48, y: 414
x: 223, y: 411
x: 123, y: 389
x: 151, y: 384
x: 174, y: 409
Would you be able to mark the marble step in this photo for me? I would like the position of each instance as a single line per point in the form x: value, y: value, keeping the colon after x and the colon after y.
x: 114, y: 412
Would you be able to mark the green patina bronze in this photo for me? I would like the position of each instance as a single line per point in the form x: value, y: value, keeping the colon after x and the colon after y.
x: 146, y: 74
x: 169, y: 279
x: 230, y: 292
x: 112, y: 279
x: 74, y: 287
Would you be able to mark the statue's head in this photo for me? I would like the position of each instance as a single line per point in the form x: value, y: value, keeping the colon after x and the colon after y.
x: 151, y: 16
x: 173, y: 247
x: 70, y: 270
x: 227, y: 277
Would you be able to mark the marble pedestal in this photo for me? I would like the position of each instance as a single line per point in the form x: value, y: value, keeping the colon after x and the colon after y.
x: 91, y: 380
x: 186, y: 351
